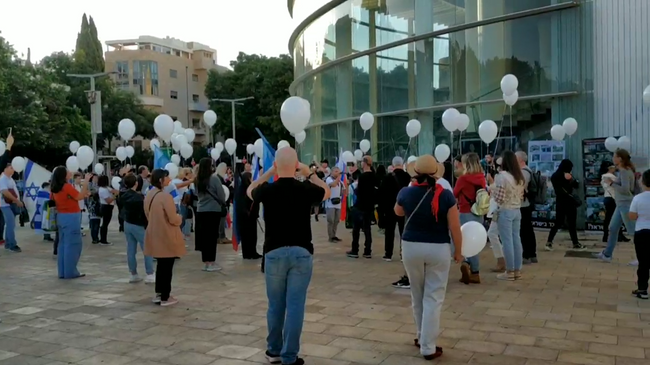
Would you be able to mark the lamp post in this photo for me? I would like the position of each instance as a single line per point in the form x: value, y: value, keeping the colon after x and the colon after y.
x: 232, y: 103
x: 95, y: 101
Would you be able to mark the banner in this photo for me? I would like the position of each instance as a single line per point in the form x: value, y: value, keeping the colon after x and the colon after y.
x: 594, y: 154
x: 545, y: 156
x: 34, y: 176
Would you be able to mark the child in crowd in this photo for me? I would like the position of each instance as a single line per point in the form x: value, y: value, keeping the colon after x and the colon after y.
x: 640, y: 212
x: 94, y: 217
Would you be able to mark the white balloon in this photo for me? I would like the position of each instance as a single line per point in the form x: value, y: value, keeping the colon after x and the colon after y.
x: 99, y: 168
x: 219, y: 147
x: 611, y: 144
x: 509, y: 84
x: 306, y: 104
x: 348, y: 157
x: 250, y: 149
x: 215, y: 154
x: 646, y: 95
x: 186, y: 151
x: 209, y: 118
x: 163, y: 125
x: 413, y: 128
x: 181, y: 139
x: 178, y: 127
x: 126, y: 129
x: 462, y: 122
x: 488, y: 131
x: 3, y: 148
x: 259, y: 147
x: 364, y: 145
x: 231, y: 146
x: 625, y: 143
x: 226, y: 192
x: 358, y: 154
x: 72, y: 164
x: 74, y: 146
x: 411, y: 159
x: 115, y: 182
x: 294, y: 115
x: 154, y: 142
x: 558, y: 132
x: 366, y: 120
x: 300, y: 137
x: 120, y: 153
x: 129, y: 151
x: 442, y: 152
x: 512, y: 98
x: 450, y: 119
x: 18, y: 163
x: 173, y: 170
x: 190, y: 135
x: 175, y: 159
x: 283, y: 144
x: 85, y: 156
x: 570, y: 126
x: 474, y: 238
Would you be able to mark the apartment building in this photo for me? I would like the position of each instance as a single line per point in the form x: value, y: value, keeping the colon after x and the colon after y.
x: 168, y: 75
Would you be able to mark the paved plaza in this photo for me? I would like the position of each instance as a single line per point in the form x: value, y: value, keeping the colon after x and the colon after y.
x: 565, y: 311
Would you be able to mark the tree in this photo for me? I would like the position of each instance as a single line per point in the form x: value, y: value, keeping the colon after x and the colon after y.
x: 88, y: 52
x: 267, y: 79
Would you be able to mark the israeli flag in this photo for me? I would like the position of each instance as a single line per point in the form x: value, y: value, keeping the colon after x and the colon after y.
x: 34, y: 176
x: 171, y: 188
x: 256, y: 167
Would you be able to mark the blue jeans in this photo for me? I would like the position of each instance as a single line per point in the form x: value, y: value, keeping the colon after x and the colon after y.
x: 619, y: 218
x: 134, y: 235
x: 474, y: 260
x: 288, y: 273
x: 509, y: 224
x: 185, y: 228
x: 69, y: 249
x: 10, y: 227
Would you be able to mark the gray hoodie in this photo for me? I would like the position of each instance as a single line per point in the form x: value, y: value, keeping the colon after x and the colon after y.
x: 624, y: 187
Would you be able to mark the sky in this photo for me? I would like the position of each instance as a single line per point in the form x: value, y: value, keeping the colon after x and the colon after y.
x: 229, y: 26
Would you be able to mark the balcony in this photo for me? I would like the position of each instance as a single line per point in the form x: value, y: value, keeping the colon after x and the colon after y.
x: 204, y: 63
x: 197, y: 107
x: 148, y: 100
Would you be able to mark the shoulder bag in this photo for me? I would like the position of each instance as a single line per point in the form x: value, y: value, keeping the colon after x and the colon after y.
x: 222, y: 204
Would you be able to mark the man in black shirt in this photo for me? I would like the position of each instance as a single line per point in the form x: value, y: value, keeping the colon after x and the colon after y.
x: 388, y: 190
x: 288, y: 250
x: 363, y: 209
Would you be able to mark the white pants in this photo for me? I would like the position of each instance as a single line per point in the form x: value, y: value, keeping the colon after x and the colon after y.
x: 493, y: 236
x: 427, y: 266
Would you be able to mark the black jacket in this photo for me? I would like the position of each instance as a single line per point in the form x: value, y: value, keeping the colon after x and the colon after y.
x: 133, y: 208
x: 563, y: 187
x: 366, y: 192
x: 390, y: 187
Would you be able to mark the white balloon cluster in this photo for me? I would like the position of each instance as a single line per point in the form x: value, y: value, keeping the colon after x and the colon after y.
x: 82, y: 157
x: 509, y: 85
x: 453, y: 120
x: 567, y: 128
x: 173, y: 132
x: 612, y: 144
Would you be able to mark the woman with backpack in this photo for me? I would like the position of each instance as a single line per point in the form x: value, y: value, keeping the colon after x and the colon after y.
x: 566, y: 204
x: 473, y: 204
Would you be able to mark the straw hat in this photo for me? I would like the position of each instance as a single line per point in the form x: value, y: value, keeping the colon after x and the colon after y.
x: 425, y: 165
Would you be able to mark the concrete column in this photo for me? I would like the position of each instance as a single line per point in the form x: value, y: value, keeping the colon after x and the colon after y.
x: 343, y: 31
x: 491, y: 45
x: 424, y: 70
x: 372, y: 92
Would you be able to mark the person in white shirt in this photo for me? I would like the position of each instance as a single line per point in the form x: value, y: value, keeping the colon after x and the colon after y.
x: 640, y: 212
x: 9, y: 203
x: 333, y: 204
x: 182, y: 183
x: 106, y: 203
x: 608, y: 171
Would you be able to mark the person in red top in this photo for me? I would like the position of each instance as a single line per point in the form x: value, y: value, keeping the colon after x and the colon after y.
x: 68, y: 220
x: 472, y: 180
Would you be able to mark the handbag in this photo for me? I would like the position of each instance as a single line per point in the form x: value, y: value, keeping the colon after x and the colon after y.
x: 575, y: 199
x: 335, y: 201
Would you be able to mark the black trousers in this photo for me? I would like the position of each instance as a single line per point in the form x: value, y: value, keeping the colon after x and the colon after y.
x: 106, y: 211
x: 527, y: 233
x: 248, y: 236
x: 610, y: 206
x: 164, y: 273
x: 206, y: 235
x: 361, y: 221
x: 389, y: 220
x: 565, y: 214
x: 642, y: 248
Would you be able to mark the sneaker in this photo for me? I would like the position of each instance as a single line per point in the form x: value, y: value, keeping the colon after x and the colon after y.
x: 336, y: 239
x: 156, y: 299
x: 367, y: 256
x: 641, y: 294
x: 526, y: 261
x: 105, y: 244
x: 14, y: 249
x: 212, y: 268
x: 135, y: 279
x: 387, y: 259
x: 298, y: 361
x: 435, y: 355
x: 95, y: 242
x: 549, y: 246
x: 150, y: 279
x: 352, y: 254
x: 273, y: 359
x: 508, y: 276
x: 534, y: 260
x: 579, y: 247
x: 600, y: 255
x: 402, y: 283
x: 170, y: 301
x: 633, y: 263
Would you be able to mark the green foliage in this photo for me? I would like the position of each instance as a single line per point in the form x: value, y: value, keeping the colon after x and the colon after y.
x: 267, y: 79
x: 88, y: 52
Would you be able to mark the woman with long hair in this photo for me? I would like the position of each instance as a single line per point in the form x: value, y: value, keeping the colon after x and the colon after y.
x: 624, y: 192
x: 607, y: 175
x: 566, y: 204
x: 465, y: 191
x: 222, y: 174
x: 163, y: 239
x: 431, y: 216
x: 68, y: 221
x: 247, y: 212
x: 106, y: 203
x: 211, y: 210
x: 508, y: 193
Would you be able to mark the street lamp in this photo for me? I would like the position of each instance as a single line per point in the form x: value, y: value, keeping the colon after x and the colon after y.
x: 95, y: 101
x: 232, y: 103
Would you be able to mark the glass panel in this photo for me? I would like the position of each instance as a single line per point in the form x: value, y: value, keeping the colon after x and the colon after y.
x: 330, y: 143
x: 392, y: 140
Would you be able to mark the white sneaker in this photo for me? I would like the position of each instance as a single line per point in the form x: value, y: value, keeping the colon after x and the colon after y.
x: 150, y: 279
x: 135, y: 279
x: 633, y: 263
x: 212, y: 268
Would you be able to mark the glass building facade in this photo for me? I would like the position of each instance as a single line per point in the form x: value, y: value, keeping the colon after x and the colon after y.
x: 412, y: 59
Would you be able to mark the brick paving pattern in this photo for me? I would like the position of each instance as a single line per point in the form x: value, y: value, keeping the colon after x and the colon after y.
x: 565, y: 311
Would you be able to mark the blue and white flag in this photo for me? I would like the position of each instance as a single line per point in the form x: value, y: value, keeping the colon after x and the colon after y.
x: 42, y: 197
x: 171, y: 188
x: 34, y: 176
x: 256, y: 167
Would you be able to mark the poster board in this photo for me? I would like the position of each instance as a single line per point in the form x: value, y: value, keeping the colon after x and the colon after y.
x: 593, y: 155
x: 545, y: 156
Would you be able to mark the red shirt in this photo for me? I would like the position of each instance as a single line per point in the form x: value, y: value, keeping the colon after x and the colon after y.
x: 465, y: 190
x: 66, y: 199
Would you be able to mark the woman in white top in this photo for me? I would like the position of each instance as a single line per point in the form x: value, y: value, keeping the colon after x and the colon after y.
x: 106, y: 204
x: 182, y: 183
x: 608, y: 176
x: 508, y: 193
x: 640, y: 212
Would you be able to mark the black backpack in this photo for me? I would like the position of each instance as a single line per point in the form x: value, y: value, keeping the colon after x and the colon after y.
x: 536, y: 189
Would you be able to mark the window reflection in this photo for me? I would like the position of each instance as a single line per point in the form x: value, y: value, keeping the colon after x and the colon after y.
x: 145, y: 77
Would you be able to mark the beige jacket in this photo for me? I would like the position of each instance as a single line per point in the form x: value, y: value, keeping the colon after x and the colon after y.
x: 163, y: 237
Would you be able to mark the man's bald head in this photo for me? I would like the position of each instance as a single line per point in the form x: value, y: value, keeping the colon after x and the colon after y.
x: 286, y: 162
